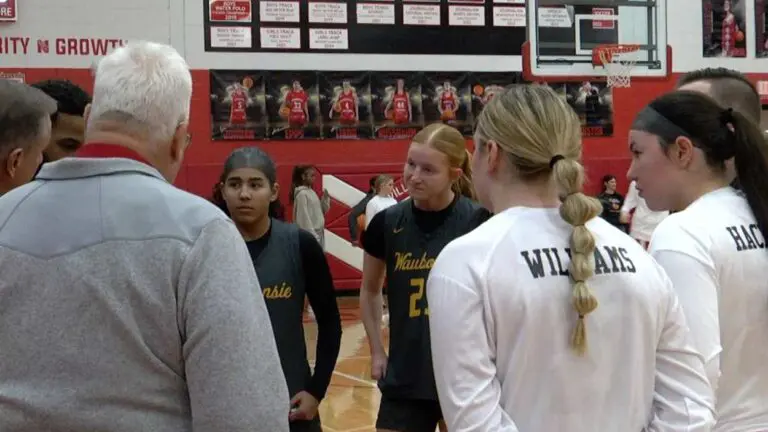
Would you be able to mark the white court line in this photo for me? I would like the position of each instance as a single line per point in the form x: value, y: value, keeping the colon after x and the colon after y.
x: 354, y: 378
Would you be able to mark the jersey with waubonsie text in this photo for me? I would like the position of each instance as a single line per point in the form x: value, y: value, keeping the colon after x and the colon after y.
x: 410, y: 254
x: 281, y: 276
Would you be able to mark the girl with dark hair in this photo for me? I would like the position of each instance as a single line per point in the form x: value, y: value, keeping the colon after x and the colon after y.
x: 308, y: 209
x: 713, y: 246
x: 290, y: 265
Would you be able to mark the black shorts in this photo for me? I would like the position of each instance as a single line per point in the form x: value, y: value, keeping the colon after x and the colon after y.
x: 307, y: 426
x: 408, y: 415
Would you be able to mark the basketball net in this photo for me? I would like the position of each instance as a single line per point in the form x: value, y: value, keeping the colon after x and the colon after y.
x: 618, y: 61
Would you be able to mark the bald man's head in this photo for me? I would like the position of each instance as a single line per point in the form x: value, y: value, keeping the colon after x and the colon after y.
x: 728, y: 87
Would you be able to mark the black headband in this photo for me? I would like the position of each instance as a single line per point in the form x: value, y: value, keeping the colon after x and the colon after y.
x: 649, y: 120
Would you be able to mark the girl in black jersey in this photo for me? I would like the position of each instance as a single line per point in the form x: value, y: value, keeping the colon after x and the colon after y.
x: 290, y: 264
x: 402, y: 243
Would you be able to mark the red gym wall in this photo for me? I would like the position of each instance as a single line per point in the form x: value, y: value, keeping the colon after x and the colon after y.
x: 203, y: 160
x: 356, y: 161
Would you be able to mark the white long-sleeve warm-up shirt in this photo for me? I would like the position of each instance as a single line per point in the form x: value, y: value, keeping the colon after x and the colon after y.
x: 501, y: 318
x: 645, y: 220
x: 716, y: 257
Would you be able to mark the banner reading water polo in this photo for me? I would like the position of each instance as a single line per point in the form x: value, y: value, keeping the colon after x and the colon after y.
x: 238, y: 105
x: 293, y: 106
x: 447, y: 97
x: 486, y: 85
x: 723, y: 28
x: 396, y: 104
x: 345, y: 104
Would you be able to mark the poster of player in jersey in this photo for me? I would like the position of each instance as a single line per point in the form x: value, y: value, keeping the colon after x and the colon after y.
x: 593, y: 103
x: 292, y: 104
x: 446, y: 97
x: 345, y: 104
x: 761, y: 29
x: 396, y: 101
x: 724, y: 28
x: 238, y: 108
x: 486, y: 85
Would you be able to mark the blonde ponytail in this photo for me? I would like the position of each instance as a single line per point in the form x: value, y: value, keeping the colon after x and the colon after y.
x: 577, y: 209
x: 463, y: 185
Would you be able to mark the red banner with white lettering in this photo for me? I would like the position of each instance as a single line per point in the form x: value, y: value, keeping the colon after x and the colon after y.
x: 8, y: 11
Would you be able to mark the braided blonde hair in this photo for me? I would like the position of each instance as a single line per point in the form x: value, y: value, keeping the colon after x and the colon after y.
x: 541, y: 136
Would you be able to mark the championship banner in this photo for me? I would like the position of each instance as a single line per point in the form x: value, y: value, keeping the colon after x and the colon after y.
x: 446, y: 97
x: 293, y: 105
x: 238, y: 108
x: 345, y: 104
x: 485, y: 85
x: 396, y: 104
x: 593, y: 103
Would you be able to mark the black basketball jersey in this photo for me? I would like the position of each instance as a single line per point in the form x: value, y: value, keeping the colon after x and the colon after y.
x: 409, y: 258
x: 281, y: 277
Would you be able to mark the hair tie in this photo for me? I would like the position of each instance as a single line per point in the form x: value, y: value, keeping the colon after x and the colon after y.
x: 726, y: 116
x: 555, y: 159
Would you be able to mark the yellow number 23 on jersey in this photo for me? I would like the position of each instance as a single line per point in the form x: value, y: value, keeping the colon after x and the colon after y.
x: 415, y: 310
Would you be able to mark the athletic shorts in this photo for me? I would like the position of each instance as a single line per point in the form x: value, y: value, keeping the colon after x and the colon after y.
x: 408, y: 415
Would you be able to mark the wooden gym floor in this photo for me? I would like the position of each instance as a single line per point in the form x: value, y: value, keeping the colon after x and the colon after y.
x: 352, y: 400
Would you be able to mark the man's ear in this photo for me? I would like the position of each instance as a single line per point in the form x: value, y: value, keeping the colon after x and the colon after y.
x: 275, y: 192
x: 180, y: 142
x: 13, y: 162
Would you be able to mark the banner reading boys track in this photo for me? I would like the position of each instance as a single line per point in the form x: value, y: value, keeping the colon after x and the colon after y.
x: 293, y: 105
x: 238, y: 105
x: 345, y: 102
x: 396, y: 103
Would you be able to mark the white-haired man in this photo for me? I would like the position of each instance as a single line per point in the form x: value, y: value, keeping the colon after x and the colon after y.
x: 127, y: 304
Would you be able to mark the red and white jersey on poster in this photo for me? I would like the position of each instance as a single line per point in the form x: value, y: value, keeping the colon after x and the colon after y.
x: 347, y: 106
x: 296, y: 100
x: 448, y: 101
x: 401, y: 107
x: 728, y: 35
x: 237, y: 111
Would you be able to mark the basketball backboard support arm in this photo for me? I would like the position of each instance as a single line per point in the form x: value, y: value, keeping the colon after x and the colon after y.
x: 563, y: 33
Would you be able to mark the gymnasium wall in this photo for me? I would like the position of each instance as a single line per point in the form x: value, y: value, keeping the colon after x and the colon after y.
x: 63, y: 40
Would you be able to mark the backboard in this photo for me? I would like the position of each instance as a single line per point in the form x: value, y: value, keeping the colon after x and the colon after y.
x: 563, y: 33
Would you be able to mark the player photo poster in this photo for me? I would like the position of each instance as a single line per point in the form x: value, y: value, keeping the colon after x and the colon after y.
x: 345, y: 104
x: 593, y: 103
x: 396, y: 104
x: 724, y: 28
x: 446, y: 97
x: 761, y: 29
x: 293, y: 105
x: 485, y: 85
x: 238, y: 108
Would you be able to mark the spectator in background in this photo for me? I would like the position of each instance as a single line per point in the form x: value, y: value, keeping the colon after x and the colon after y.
x: 25, y: 130
x: 611, y: 201
x: 358, y: 212
x: 383, y: 198
x: 68, y: 122
x: 125, y: 303
x: 308, y: 209
x: 644, y: 220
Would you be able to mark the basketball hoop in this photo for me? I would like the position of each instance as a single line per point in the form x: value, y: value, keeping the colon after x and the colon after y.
x: 618, y: 61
